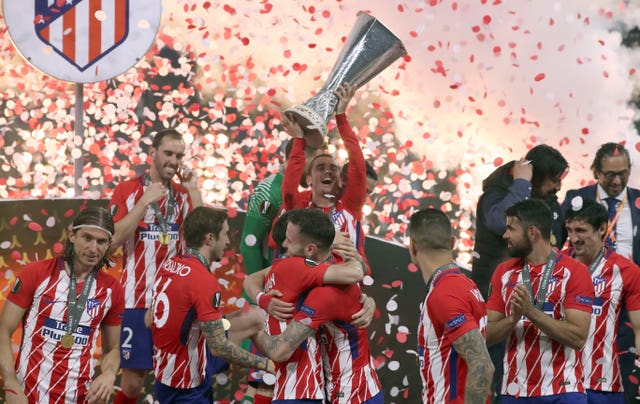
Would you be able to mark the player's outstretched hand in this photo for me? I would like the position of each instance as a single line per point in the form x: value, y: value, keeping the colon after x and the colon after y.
x: 101, y: 388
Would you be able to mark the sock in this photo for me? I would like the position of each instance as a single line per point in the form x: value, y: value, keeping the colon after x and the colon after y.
x: 260, y: 399
x: 121, y: 398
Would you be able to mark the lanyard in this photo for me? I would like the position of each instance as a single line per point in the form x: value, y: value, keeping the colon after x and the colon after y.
x: 596, y: 262
x: 162, y: 220
x: 199, y: 256
x: 614, y: 221
x: 544, y: 282
x: 75, y: 304
x: 437, y: 272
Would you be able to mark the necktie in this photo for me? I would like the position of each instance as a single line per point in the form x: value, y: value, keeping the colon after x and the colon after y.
x: 612, y: 204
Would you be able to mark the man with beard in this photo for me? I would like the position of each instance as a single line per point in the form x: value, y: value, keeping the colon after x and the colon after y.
x: 612, y: 168
x: 541, y: 303
x: 345, y: 209
x: 186, y: 316
x: 148, y: 211
x: 616, y: 281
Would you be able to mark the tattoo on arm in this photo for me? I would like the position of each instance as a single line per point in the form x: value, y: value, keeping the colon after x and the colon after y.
x: 223, y: 348
x: 281, y: 347
x: 472, y: 347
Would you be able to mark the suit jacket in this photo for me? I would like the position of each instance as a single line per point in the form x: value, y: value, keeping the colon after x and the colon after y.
x: 589, y: 192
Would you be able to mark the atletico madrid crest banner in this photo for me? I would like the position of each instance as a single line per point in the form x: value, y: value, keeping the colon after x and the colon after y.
x: 82, y: 41
x: 80, y: 30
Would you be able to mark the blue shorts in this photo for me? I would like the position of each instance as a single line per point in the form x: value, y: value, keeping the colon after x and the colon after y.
x: 136, y: 344
x: 201, y: 394
x: 566, y: 398
x: 604, y: 397
x: 377, y: 399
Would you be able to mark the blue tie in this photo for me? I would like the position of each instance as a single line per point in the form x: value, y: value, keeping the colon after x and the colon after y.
x: 612, y: 204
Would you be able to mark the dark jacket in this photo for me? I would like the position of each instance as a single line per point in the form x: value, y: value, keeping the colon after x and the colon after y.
x: 500, y: 191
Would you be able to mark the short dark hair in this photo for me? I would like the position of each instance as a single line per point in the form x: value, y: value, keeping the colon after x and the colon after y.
x: 533, y: 212
x: 547, y: 162
x: 430, y: 229
x: 608, y: 150
x: 317, y: 156
x: 160, y: 135
x: 590, y: 212
x: 370, y: 171
x: 92, y: 216
x: 200, y: 222
x: 315, y: 226
x: 279, y: 232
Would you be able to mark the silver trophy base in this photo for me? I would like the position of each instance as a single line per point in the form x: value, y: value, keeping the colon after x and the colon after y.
x: 313, y: 125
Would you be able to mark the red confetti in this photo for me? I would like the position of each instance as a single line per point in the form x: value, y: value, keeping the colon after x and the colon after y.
x: 497, y: 162
x: 539, y: 77
x: 486, y: 19
x: 34, y: 226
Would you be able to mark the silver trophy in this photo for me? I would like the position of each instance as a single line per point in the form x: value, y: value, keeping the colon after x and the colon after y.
x: 370, y: 48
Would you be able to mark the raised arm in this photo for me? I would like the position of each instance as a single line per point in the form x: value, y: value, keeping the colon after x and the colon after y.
x: 102, y: 386
x: 11, y: 316
x: 280, y: 348
x: 295, y: 166
x: 189, y: 180
x: 128, y: 224
x: 356, y: 190
x: 472, y: 348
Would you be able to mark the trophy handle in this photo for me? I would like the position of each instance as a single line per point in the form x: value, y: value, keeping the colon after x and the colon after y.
x: 369, y: 49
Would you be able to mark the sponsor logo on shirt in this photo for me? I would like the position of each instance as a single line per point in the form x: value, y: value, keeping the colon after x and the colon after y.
x: 597, y: 306
x: 455, y: 322
x: 153, y: 230
x: 54, y: 330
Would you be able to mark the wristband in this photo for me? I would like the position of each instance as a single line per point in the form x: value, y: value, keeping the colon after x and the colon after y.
x: 263, y: 300
x: 11, y: 391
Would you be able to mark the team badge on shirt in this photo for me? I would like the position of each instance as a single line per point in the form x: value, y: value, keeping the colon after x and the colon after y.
x: 17, y: 286
x: 217, y: 298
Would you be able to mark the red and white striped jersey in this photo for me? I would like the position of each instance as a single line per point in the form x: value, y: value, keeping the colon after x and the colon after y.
x: 616, y: 281
x: 143, y: 254
x: 185, y: 294
x: 301, y: 376
x: 534, y: 364
x: 346, y: 215
x: 349, y: 372
x: 49, y: 372
x: 453, y: 307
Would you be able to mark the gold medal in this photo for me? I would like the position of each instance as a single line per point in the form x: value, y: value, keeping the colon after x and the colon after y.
x: 67, y: 341
x: 164, y: 238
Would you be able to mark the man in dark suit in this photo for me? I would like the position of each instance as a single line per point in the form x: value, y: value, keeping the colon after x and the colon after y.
x: 611, y: 168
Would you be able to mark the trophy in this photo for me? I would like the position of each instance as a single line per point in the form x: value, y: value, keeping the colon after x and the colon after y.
x: 369, y: 49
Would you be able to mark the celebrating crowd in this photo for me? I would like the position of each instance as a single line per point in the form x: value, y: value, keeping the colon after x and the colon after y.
x: 549, y: 313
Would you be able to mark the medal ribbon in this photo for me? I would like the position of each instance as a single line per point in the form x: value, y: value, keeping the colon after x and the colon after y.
x: 437, y: 272
x: 75, y: 304
x: 198, y: 255
x: 596, y: 261
x: 544, y: 282
x: 162, y: 220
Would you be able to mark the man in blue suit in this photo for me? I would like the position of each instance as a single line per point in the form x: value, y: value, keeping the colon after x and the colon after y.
x: 611, y: 168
